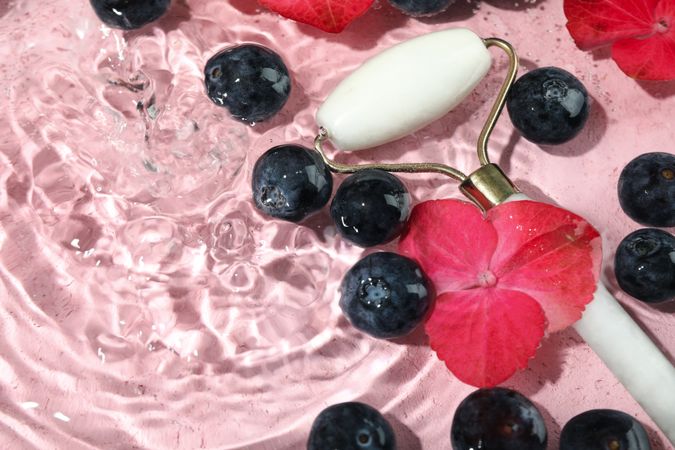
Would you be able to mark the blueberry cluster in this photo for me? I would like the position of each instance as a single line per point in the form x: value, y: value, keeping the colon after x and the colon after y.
x: 384, y: 295
x: 370, y: 207
x: 502, y: 419
x: 644, y: 265
x: 490, y: 418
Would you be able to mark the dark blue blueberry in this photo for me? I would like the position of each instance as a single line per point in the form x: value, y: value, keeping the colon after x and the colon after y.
x: 370, y: 207
x: 548, y: 105
x: 351, y: 426
x: 497, y: 419
x: 291, y: 182
x: 645, y: 265
x: 647, y: 189
x: 419, y: 8
x: 129, y: 14
x: 603, y: 429
x: 251, y: 81
x: 385, y: 295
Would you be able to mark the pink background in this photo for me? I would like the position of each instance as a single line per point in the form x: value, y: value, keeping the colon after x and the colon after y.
x: 145, y: 303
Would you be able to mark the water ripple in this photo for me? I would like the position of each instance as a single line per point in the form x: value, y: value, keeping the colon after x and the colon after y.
x: 145, y: 302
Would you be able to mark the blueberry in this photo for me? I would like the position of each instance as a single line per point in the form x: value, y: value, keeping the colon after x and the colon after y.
x: 497, y: 419
x: 603, y: 429
x: 129, y: 14
x: 647, y: 189
x: 548, y: 105
x: 419, y: 8
x: 385, y: 295
x: 291, y: 182
x: 351, y: 426
x: 251, y: 81
x: 370, y: 207
x: 645, y: 265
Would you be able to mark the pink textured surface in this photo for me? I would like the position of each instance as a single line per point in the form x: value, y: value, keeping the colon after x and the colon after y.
x: 145, y: 304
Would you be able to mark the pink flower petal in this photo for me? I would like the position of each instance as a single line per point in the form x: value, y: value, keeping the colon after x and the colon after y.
x: 550, y: 254
x: 327, y: 15
x: 594, y: 23
x: 657, y: 56
x: 503, y: 278
x: 485, y: 335
x: 451, y: 241
x: 641, y: 32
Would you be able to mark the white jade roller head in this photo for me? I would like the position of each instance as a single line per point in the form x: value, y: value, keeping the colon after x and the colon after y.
x: 404, y: 89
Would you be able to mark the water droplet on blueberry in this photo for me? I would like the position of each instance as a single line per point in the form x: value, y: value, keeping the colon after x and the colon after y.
x: 374, y: 292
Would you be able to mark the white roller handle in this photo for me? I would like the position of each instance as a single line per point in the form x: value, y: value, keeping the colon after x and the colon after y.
x: 632, y: 357
x: 404, y: 88
x: 628, y: 352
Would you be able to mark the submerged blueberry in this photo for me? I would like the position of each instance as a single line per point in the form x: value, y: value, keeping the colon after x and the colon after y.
x: 603, y: 429
x: 129, y: 14
x: 351, y: 426
x: 645, y: 265
x: 370, y: 207
x: 647, y: 189
x: 291, y: 182
x: 250, y: 80
x: 385, y: 295
x: 548, y: 105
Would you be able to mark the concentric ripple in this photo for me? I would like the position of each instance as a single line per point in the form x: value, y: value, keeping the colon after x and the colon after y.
x: 145, y: 302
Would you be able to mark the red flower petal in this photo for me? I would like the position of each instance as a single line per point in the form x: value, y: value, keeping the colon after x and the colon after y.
x: 642, y: 33
x: 451, y: 241
x: 550, y: 254
x: 502, y: 277
x: 485, y: 335
x: 657, y: 56
x: 594, y: 23
x: 327, y: 15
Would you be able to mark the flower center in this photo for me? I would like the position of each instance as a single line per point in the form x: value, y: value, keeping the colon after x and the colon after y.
x: 487, y: 279
x: 663, y: 25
